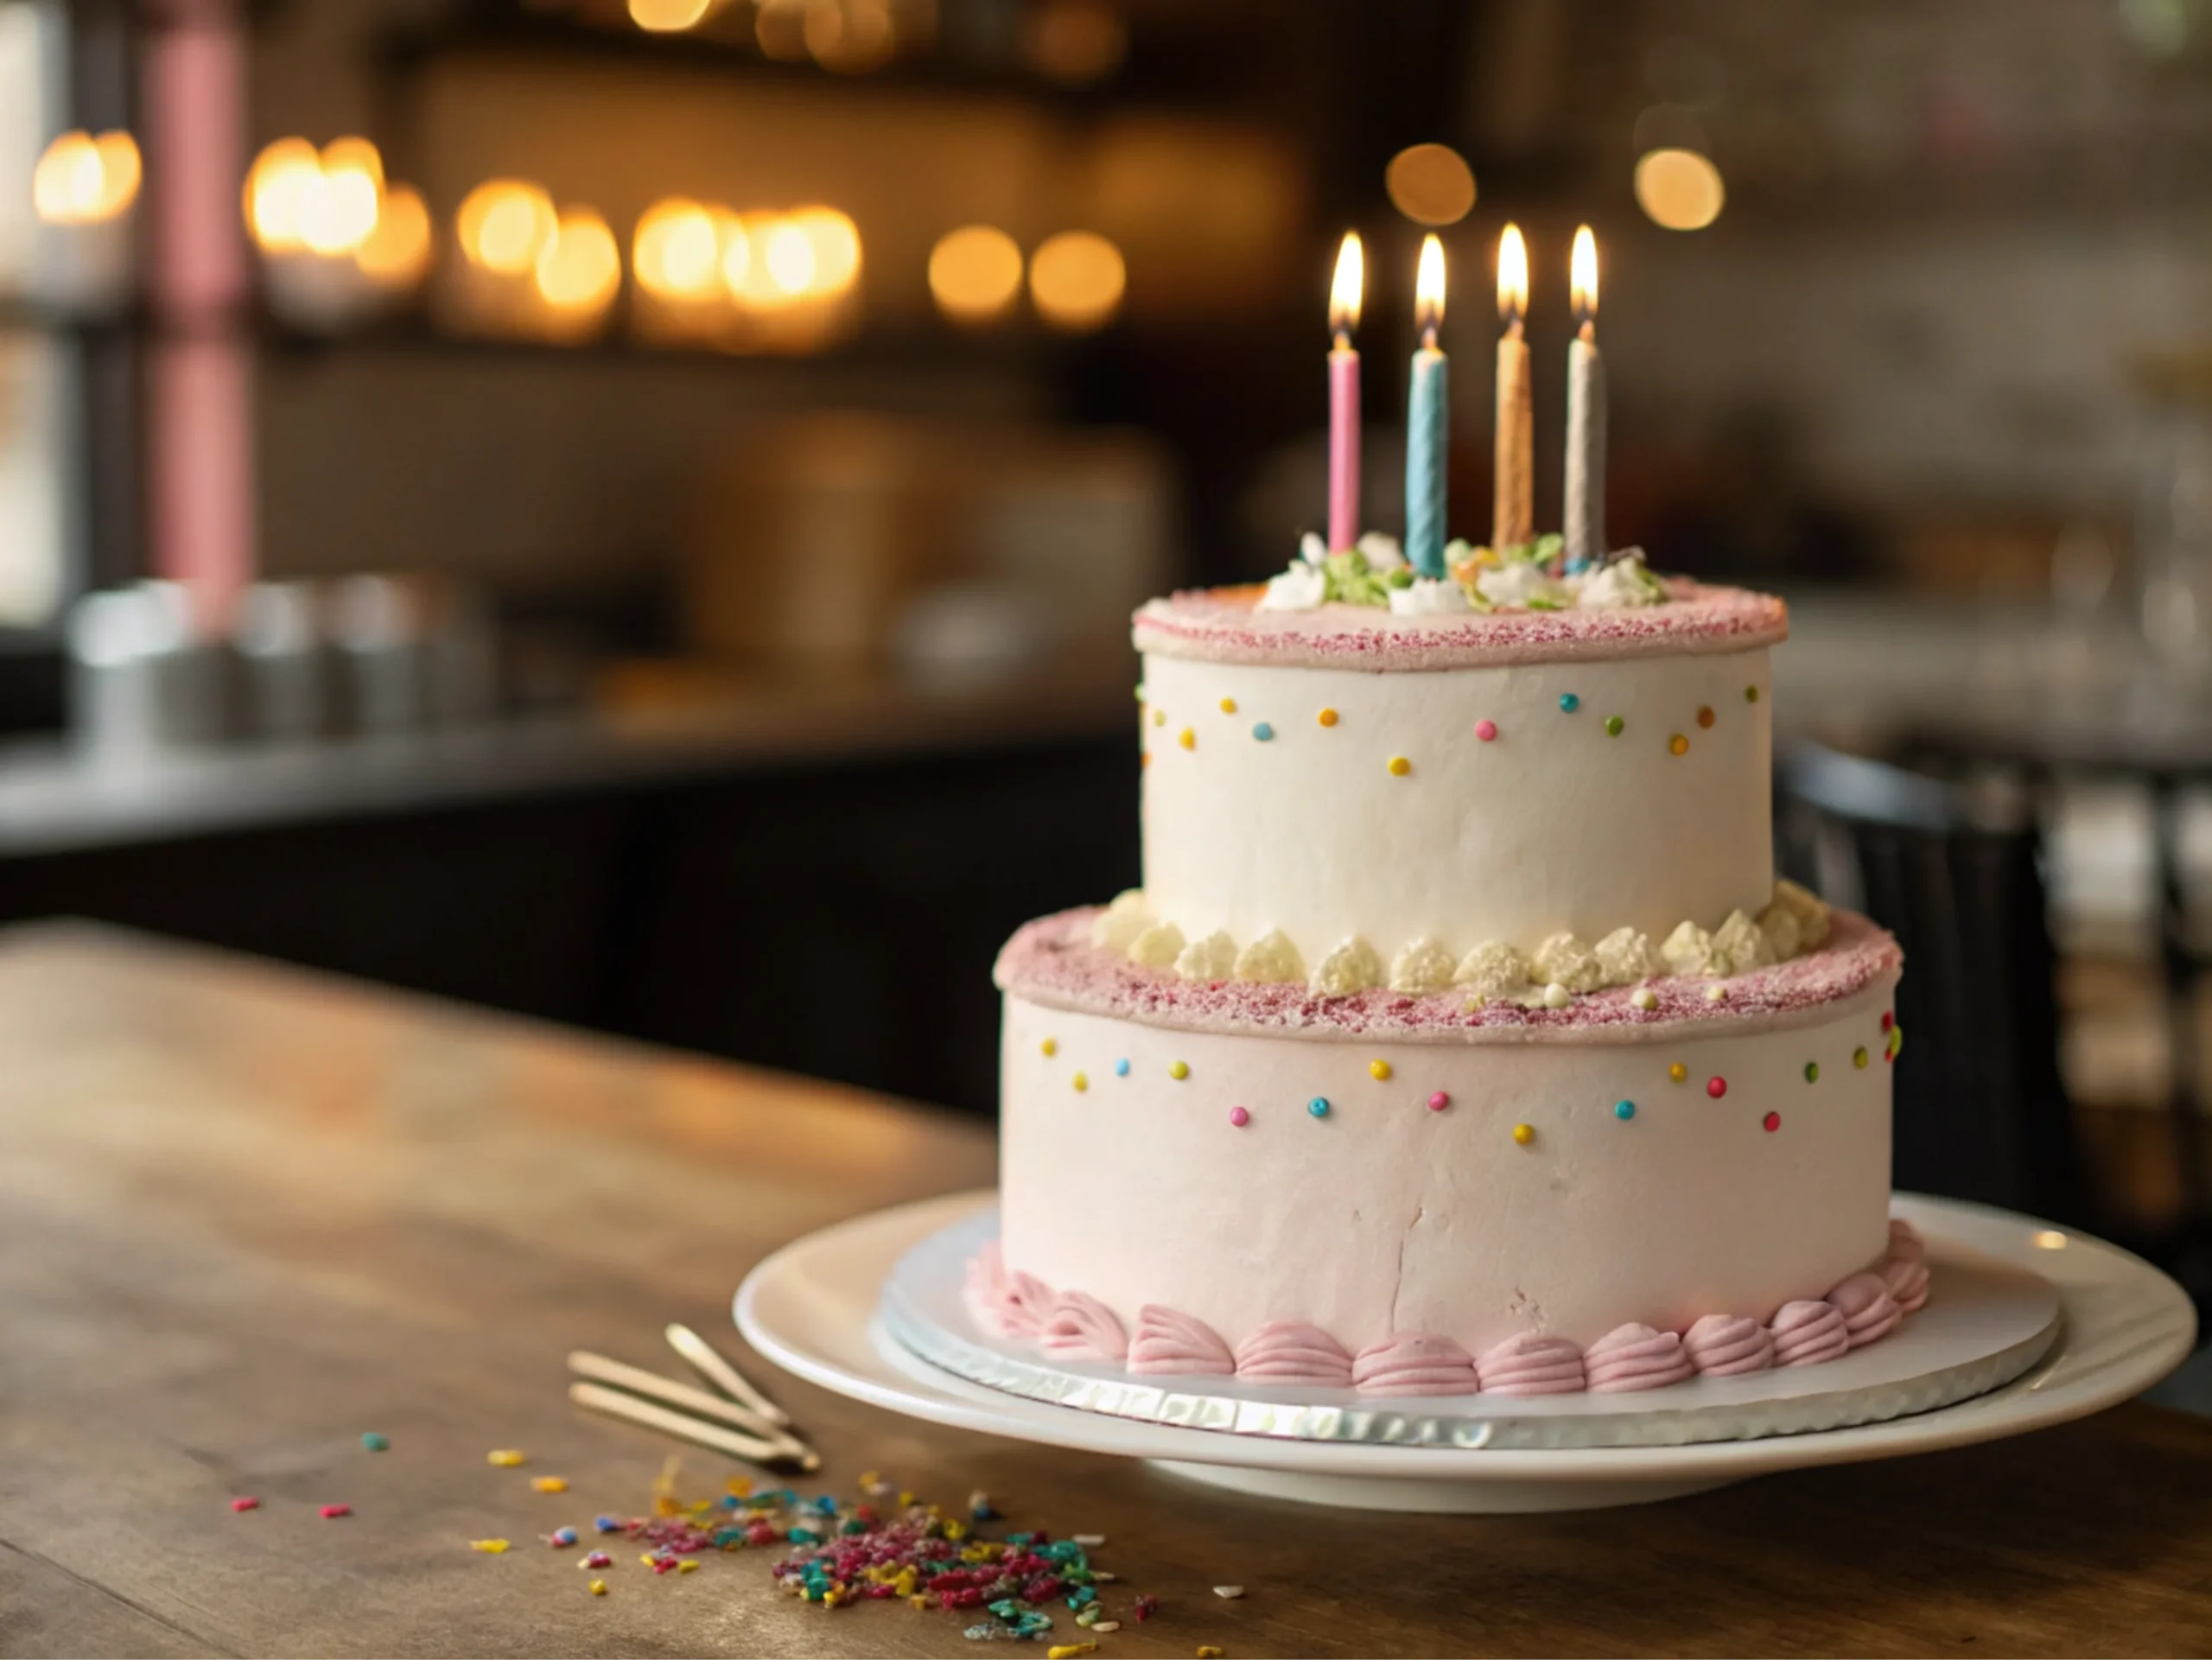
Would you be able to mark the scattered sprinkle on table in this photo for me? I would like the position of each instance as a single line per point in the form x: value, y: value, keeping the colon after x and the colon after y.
x: 1231, y: 1591
x: 376, y: 1443
x: 549, y: 1483
x: 561, y: 1538
x: 504, y: 1458
x: 489, y: 1547
x: 597, y: 1559
x: 599, y: 1588
x: 242, y: 1505
x: 1208, y: 1652
x: 332, y: 1512
x: 1070, y: 1650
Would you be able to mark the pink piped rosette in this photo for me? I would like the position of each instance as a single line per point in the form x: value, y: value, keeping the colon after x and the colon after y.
x: 1634, y: 1357
x: 1080, y: 1327
x: 1868, y: 1310
x: 1415, y: 1363
x: 1013, y: 1303
x: 1808, y: 1331
x: 1170, y: 1344
x: 1533, y: 1363
x: 1728, y: 1345
x: 1282, y: 1352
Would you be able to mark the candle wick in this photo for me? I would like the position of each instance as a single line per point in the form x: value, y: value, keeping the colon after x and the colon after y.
x: 1588, y: 332
x: 1343, y: 340
x: 1428, y: 337
x: 1513, y: 328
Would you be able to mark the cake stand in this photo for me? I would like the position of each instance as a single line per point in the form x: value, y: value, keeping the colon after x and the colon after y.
x: 818, y: 1309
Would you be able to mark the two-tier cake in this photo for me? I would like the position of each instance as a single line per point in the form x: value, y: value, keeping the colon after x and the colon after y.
x: 1461, y: 1039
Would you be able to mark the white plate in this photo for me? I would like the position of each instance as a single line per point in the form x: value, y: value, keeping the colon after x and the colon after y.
x: 812, y: 1308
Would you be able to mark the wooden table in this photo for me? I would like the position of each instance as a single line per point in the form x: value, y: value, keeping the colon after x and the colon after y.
x: 247, y: 1214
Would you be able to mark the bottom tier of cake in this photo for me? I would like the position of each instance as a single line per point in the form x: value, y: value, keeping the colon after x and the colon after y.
x: 1436, y: 1205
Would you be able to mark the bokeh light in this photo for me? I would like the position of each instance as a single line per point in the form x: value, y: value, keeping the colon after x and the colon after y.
x: 779, y: 28
x: 835, y: 242
x: 1678, y: 189
x: 668, y: 16
x: 974, y: 274
x: 1076, y: 280
x: 849, y: 37
x: 1430, y: 184
x: 1074, y: 42
x: 580, y: 267
x: 80, y: 180
x: 339, y: 204
x: 280, y: 175
x: 504, y: 224
x: 676, y: 250
x: 398, y: 251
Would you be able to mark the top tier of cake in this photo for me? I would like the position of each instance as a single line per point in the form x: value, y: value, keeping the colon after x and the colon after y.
x: 1393, y: 794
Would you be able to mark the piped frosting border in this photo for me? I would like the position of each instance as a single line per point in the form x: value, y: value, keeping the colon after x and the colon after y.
x: 1053, y: 963
x: 1224, y: 625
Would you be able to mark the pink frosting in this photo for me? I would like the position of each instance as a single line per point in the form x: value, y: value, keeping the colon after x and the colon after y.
x: 1168, y: 1343
x: 1905, y: 1240
x: 1080, y: 1325
x: 1728, y: 1345
x: 1532, y: 1364
x: 1636, y: 1358
x: 1053, y: 962
x: 1415, y: 1363
x: 1014, y: 1304
x: 1285, y: 1353
x: 1224, y: 626
x: 1868, y: 1310
x: 1808, y: 1331
x: 1908, y: 1284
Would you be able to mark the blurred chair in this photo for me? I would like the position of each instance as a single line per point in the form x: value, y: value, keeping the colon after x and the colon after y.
x: 1981, y: 1112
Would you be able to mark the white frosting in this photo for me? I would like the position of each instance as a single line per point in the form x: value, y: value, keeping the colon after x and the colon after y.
x: 1429, y: 596
x: 1383, y: 552
x: 1619, y: 585
x: 1270, y: 959
x: 1302, y: 588
x: 1521, y: 582
x: 1553, y: 826
x: 1352, y: 967
x: 1213, y: 958
x: 1421, y: 968
x: 1157, y: 947
x: 1386, y: 1215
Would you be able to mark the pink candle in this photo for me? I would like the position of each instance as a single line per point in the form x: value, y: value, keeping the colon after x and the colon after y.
x: 1344, y: 398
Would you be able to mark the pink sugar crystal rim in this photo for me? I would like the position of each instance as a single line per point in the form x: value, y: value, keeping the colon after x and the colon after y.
x: 1051, y: 962
x: 1224, y: 626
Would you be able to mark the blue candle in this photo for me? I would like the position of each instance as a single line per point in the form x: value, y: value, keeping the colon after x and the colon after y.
x: 1428, y: 421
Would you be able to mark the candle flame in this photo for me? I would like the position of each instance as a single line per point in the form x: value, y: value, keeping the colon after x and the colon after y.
x: 1351, y: 282
x: 1584, y: 278
x: 1428, y: 290
x: 1512, y: 275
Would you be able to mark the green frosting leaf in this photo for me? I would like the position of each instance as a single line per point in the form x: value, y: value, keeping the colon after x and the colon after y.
x: 1352, y: 582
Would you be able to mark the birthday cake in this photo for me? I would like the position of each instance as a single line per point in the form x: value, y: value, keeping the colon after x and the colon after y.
x: 1461, y: 1039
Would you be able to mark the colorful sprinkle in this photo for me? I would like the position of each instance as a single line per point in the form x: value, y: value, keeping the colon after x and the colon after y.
x: 1327, y: 717
x: 1230, y: 1592
x: 1772, y: 1121
x: 1400, y: 766
x: 1624, y: 1111
x: 1239, y: 1116
x: 1178, y: 1070
x: 596, y: 1559
x: 1264, y: 733
x: 1750, y: 694
x: 1140, y: 691
x: 1716, y: 993
x: 1319, y: 1106
x: 243, y: 1504
x: 1644, y: 998
x: 1524, y: 1134
x: 1889, y: 1020
x: 507, y: 1457
x: 1812, y: 1071
x: 1678, y: 1072
x: 1615, y: 726
x: 1050, y: 1047
x: 1378, y: 1070
x: 489, y: 1547
x: 1859, y: 1058
x: 332, y: 1512
x: 1678, y: 745
x: 1121, y: 1068
x: 1159, y: 717
x: 561, y: 1538
x: 1569, y: 703
x: 1706, y: 717
x: 606, y: 1524
x: 1229, y: 706
x: 1081, y: 1081
x: 1438, y: 1102
x: 688, y: 1564
x: 1896, y: 1044
x: 1486, y: 730
x: 599, y: 1588
x: 1716, y: 1087
x: 548, y: 1483
x: 1187, y: 738
x: 1210, y: 1651
x: 371, y: 1441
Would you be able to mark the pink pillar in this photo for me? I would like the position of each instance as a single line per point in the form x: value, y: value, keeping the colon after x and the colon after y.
x: 1344, y: 448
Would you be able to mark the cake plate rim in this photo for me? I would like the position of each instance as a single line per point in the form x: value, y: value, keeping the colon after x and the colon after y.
x: 813, y: 1308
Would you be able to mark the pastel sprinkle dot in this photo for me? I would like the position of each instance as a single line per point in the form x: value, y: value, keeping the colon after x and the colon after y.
x: 507, y: 1457
x: 1438, y: 1102
x: 1229, y: 706
x: 599, y: 1588
x: 1569, y: 703
x: 1327, y: 717
x: 1706, y: 717
x: 1897, y: 1043
x: 489, y: 1547
x: 1644, y: 998
x: 242, y: 1505
x: 1614, y: 726
x: 1081, y: 1081
x: 1716, y: 1087
x: 1486, y: 730
x: 1400, y: 766
x: 688, y: 1564
x: 1624, y: 1111
x: 1178, y: 1070
x: 561, y: 1538
x: 1812, y: 1071
x: 1859, y: 1058
x: 1239, y: 1117
x: 1319, y: 1106
x: 1159, y: 717
x: 1889, y: 1020
x: 1678, y: 1072
x: 548, y: 1483
x: 1678, y: 745
x: 1121, y: 1068
x: 1750, y: 694
x: 1050, y: 1047
x: 374, y: 1442
x: 1378, y: 1070
x: 1140, y: 691
x: 1772, y: 1121
x: 1524, y: 1134
x: 332, y: 1512
x: 1187, y: 738
x: 1264, y: 733
x: 1716, y: 993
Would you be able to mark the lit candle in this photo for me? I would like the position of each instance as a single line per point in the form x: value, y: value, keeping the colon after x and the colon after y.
x: 1585, y: 500
x: 1513, y: 516
x: 1427, y: 420
x: 1344, y: 397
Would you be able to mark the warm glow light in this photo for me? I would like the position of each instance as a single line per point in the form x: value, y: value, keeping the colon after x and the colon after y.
x: 505, y: 225
x: 81, y: 179
x: 789, y: 259
x: 835, y: 242
x: 1678, y: 189
x: 736, y: 257
x: 678, y: 251
x: 1428, y: 290
x: 338, y: 207
x: 668, y: 16
x: 1076, y: 280
x: 281, y: 175
x: 1512, y: 275
x: 398, y: 250
x: 1349, y: 285
x: 1582, y: 280
x: 2050, y: 1239
x: 580, y: 267
x: 847, y: 36
x: 1430, y: 184
x: 974, y: 272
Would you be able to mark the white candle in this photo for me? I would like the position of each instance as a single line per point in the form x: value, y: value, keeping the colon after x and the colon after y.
x: 1584, y: 495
